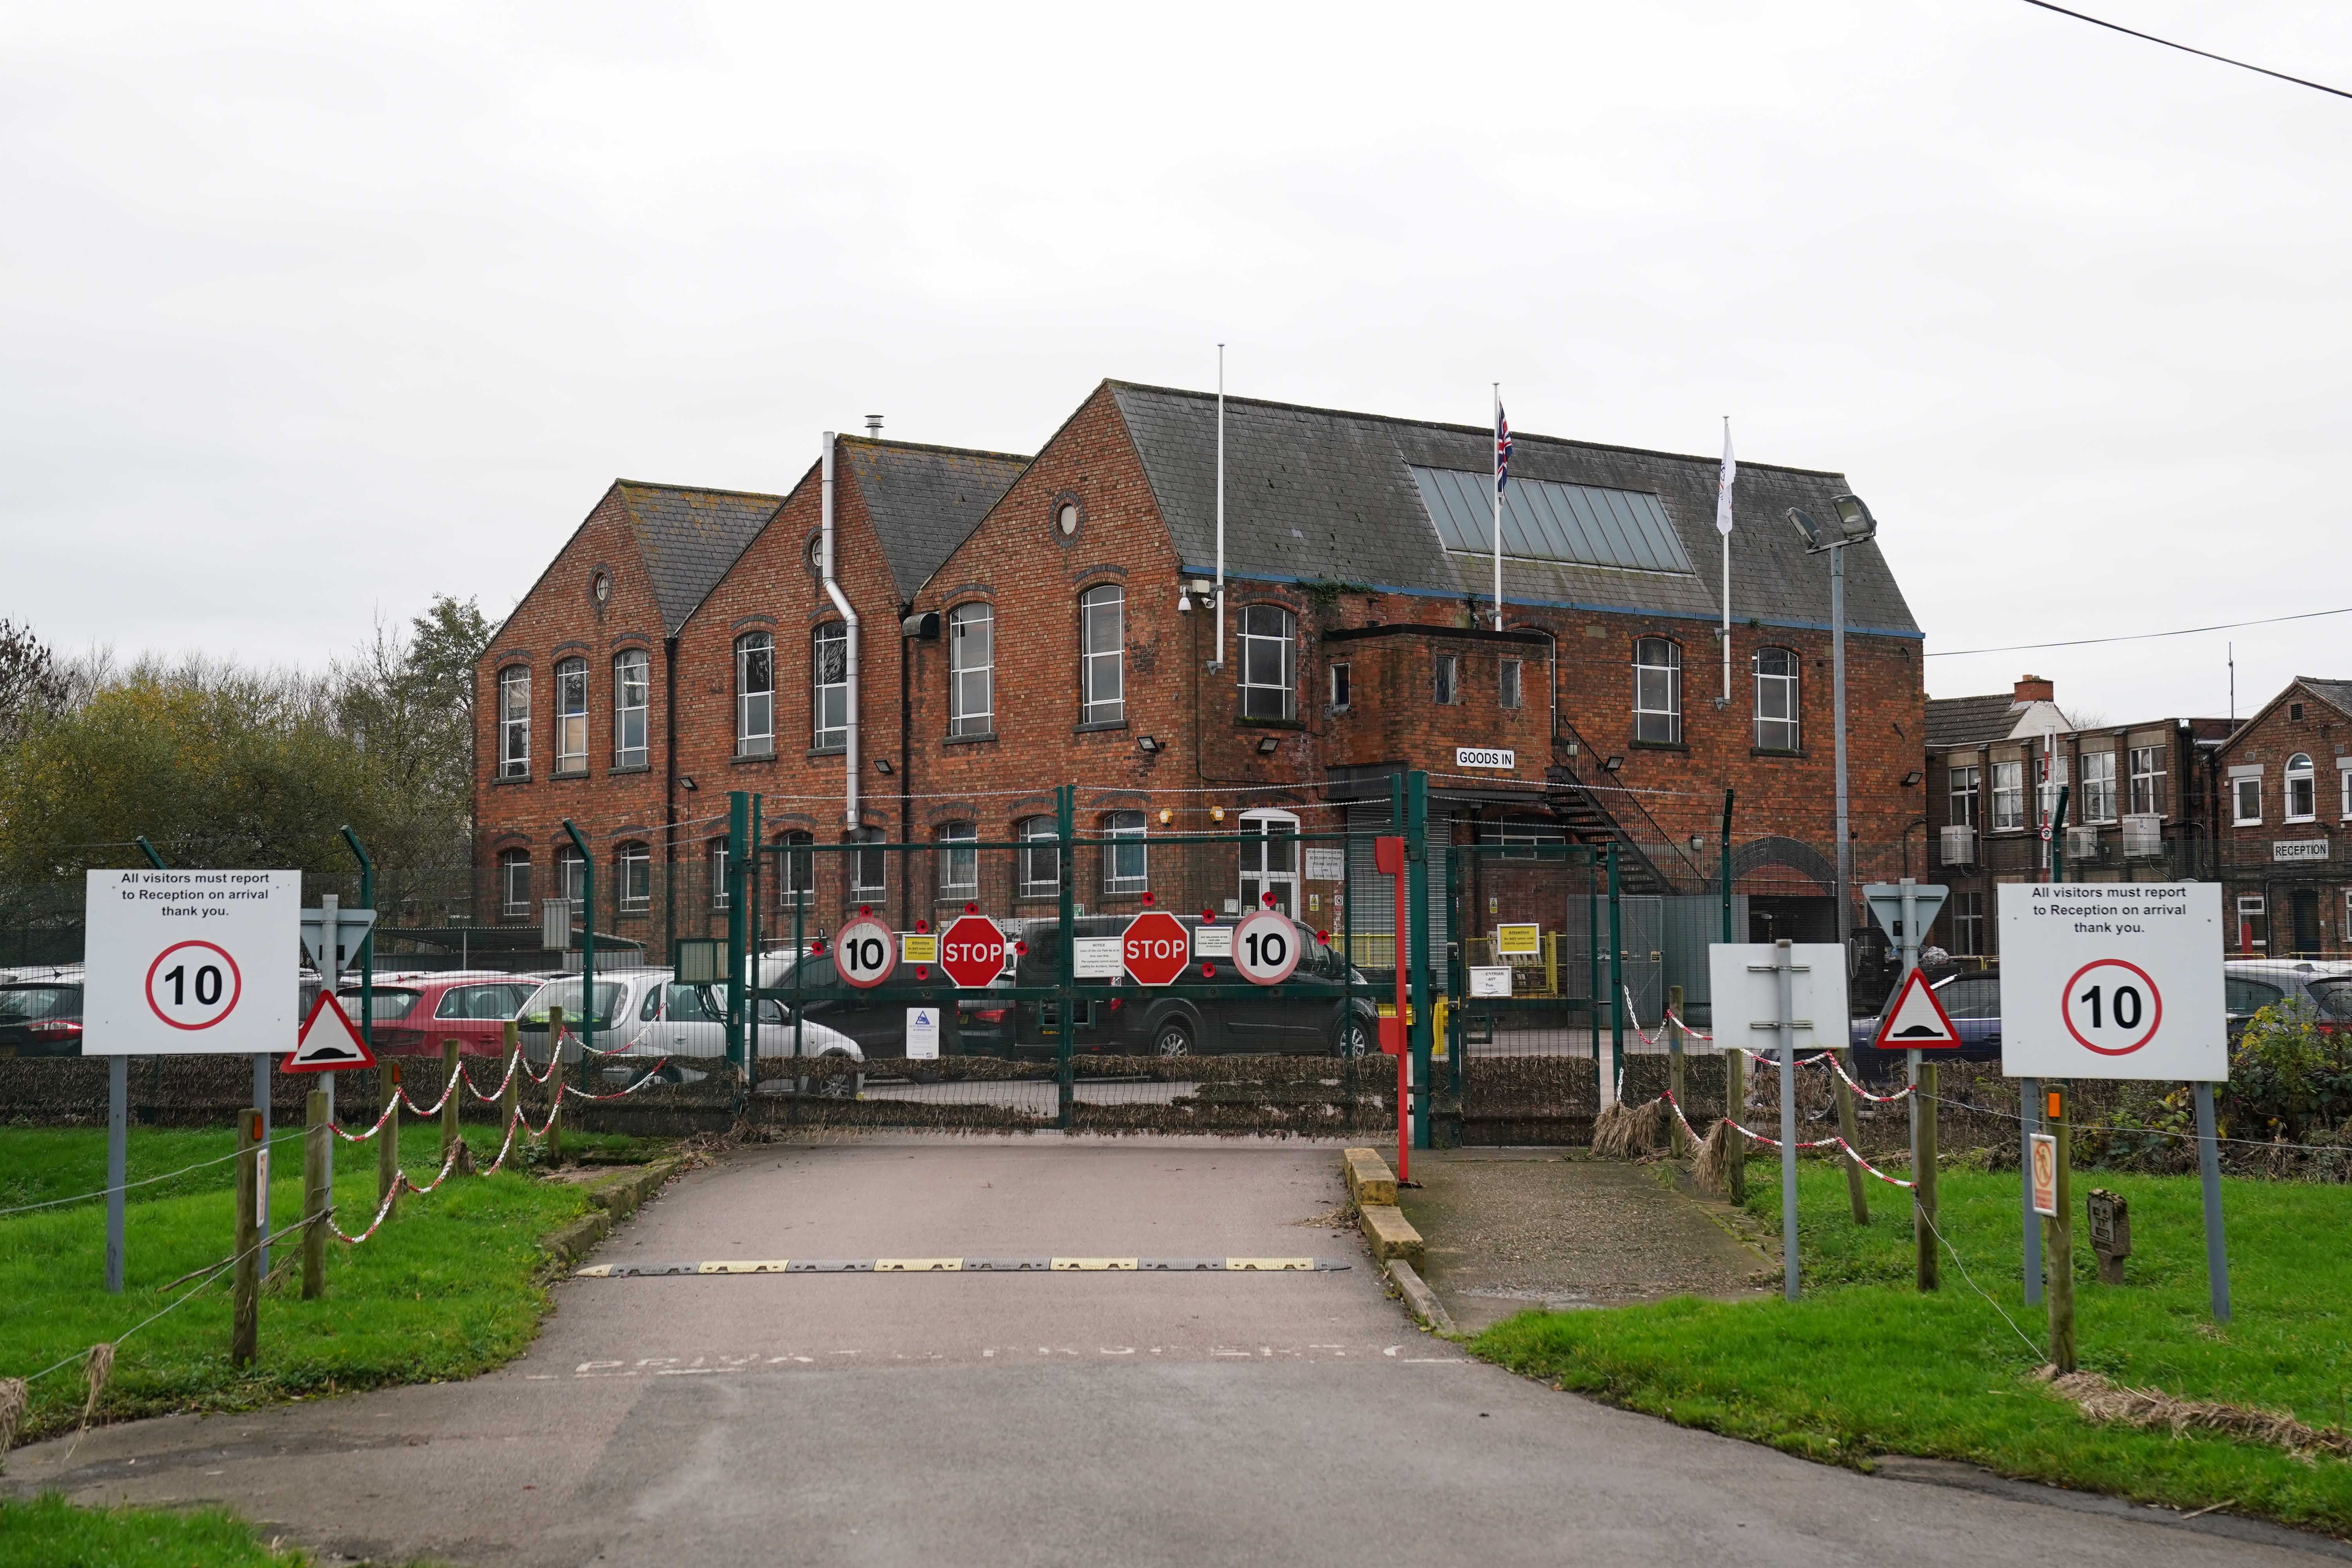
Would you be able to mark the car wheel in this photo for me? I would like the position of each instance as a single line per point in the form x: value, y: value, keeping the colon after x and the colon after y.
x: 842, y: 1086
x: 1355, y: 1039
x: 1173, y: 1039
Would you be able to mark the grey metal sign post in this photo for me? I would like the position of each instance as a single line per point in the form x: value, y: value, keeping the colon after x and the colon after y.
x: 1785, y: 985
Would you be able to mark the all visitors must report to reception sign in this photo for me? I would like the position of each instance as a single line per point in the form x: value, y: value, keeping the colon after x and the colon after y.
x: 192, y: 961
x: 2113, y: 980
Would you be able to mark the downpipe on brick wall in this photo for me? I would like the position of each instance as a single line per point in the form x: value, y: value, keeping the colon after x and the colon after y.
x: 849, y: 627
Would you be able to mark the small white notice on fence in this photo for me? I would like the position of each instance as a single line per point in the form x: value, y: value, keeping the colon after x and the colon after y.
x: 1096, y: 958
x: 1490, y: 980
x: 923, y: 1033
x: 1326, y: 863
x: 1746, y: 986
x: 1212, y: 942
x: 192, y: 961
x: 2113, y: 980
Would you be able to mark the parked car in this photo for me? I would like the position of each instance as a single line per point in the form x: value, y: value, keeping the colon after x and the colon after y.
x: 41, y: 1018
x: 416, y: 1013
x: 644, y: 1013
x: 1970, y: 998
x: 2251, y: 984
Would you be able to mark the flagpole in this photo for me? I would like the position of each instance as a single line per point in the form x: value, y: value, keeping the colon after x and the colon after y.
x: 1497, y: 457
x: 1217, y: 659
x: 1723, y: 526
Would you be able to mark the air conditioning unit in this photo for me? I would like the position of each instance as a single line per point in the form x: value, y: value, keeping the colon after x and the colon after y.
x: 1959, y: 844
x: 2143, y: 834
x: 2083, y: 843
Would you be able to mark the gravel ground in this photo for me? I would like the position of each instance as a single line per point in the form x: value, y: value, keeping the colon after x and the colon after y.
x: 1508, y: 1230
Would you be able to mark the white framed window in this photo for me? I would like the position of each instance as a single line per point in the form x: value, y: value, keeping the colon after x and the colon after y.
x: 1270, y: 859
x: 960, y: 860
x: 719, y: 880
x: 1102, y: 640
x: 1041, y: 864
x: 2344, y: 793
x: 514, y: 723
x: 2301, y: 789
x: 572, y: 716
x: 1658, y: 690
x: 829, y: 686
x: 869, y: 869
x: 632, y: 877
x: 571, y: 877
x: 2098, y: 786
x: 632, y: 692
x: 514, y: 884
x: 1445, y: 689
x: 755, y: 695
x: 1965, y: 782
x: 796, y: 868
x: 1509, y: 687
x: 1267, y: 668
x: 1967, y: 923
x: 2246, y: 800
x: 2008, y: 795
x: 1126, y: 864
x: 1342, y: 686
x: 2253, y: 932
x: 1775, y: 700
x: 971, y: 670
x: 2147, y: 781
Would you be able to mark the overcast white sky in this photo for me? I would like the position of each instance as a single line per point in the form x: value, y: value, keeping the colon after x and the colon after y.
x: 309, y: 312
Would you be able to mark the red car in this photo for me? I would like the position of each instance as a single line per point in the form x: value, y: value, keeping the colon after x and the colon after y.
x: 416, y: 1013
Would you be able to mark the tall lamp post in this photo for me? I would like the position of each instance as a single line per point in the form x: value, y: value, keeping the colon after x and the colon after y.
x: 1854, y: 526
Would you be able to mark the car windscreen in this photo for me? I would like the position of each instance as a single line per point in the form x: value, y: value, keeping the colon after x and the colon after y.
x: 2333, y: 998
x: 23, y: 1003
x: 565, y: 994
x: 495, y: 1001
x: 385, y: 1002
x: 1973, y: 996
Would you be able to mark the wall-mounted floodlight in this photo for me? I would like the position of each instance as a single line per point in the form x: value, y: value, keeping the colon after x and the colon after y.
x: 1147, y: 742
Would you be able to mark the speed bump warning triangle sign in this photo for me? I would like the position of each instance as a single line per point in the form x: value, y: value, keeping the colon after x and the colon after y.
x: 1917, y: 1021
x: 328, y: 1042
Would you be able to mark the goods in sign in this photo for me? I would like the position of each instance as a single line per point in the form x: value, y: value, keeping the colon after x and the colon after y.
x: 1155, y: 948
x: 1266, y: 947
x: 191, y: 961
x: 2113, y: 980
x: 971, y: 951
x: 1917, y: 1021
x: 865, y: 952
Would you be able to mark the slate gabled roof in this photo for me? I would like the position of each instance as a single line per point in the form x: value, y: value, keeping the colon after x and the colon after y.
x: 2337, y: 694
x: 1318, y: 494
x: 1955, y: 721
x: 689, y: 536
x: 924, y: 500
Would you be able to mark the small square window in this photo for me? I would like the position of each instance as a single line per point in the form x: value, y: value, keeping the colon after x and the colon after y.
x: 2246, y: 795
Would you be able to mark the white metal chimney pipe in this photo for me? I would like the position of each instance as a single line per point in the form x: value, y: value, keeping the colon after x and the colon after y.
x: 849, y: 623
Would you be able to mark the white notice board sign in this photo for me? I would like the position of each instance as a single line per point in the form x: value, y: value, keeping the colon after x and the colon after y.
x: 192, y: 963
x: 1096, y: 958
x: 1746, y: 992
x: 2113, y: 980
x: 922, y: 1034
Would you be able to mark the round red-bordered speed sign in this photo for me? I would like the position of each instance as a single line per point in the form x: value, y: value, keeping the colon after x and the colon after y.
x: 865, y: 951
x: 198, y: 990
x: 1266, y: 947
x: 2114, y: 1000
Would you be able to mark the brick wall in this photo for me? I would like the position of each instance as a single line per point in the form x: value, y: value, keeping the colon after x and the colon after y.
x: 2295, y: 723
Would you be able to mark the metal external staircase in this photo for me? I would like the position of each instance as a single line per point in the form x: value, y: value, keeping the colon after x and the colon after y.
x: 1648, y: 860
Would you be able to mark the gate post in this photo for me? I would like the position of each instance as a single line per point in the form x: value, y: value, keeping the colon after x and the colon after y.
x: 1416, y: 850
x: 1616, y: 982
x: 587, y: 965
x: 1065, y: 811
x: 739, y: 827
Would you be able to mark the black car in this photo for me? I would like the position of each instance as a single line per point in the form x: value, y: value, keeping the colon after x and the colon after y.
x: 1308, y: 1014
x: 40, y: 1018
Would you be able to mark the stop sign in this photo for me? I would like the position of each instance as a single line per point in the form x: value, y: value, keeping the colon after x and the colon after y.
x: 971, y: 951
x: 1156, y: 948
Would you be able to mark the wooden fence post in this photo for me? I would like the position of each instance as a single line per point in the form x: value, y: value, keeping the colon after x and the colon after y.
x: 1675, y: 1065
x: 1735, y: 1101
x: 2060, y: 1229
x: 511, y: 1098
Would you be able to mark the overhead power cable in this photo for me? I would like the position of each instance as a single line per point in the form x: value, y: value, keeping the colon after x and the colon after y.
x: 2186, y: 49
x: 2139, y: 637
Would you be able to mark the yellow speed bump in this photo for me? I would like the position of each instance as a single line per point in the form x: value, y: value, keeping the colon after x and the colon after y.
x: 744, y: 1265
x: 918, y: 1265
x: 1089, y: 1264
x: 1236, y: 1265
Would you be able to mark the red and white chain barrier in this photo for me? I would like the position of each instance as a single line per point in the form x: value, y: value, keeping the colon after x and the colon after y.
x: 1833, y: 1142
x: 651, y: 1073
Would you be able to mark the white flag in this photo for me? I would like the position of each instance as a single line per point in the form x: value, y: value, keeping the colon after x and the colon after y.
x: 1723, y: 487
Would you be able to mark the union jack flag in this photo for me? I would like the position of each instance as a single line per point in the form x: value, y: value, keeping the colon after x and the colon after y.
x: 1502, y: 449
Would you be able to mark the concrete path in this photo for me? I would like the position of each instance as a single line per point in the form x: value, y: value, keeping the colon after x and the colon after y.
x: 1001, y: 1419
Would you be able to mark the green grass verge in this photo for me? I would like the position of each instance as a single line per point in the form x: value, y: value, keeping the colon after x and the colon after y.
x: 51, y: 1533
x: 1863, y: 1364
x: 447, y: 1289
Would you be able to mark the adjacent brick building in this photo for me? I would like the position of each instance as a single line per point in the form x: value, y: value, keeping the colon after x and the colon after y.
x: 1029, y: 623
x: 2283, y: 785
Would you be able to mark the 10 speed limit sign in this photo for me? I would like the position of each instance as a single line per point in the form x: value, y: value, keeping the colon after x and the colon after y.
x: 2113, y: 980
x: 865, y: 952
x: 1266, y: 947
x: 192, y: 961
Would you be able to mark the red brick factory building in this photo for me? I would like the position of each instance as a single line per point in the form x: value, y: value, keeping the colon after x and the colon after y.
x: 1022, y: 623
